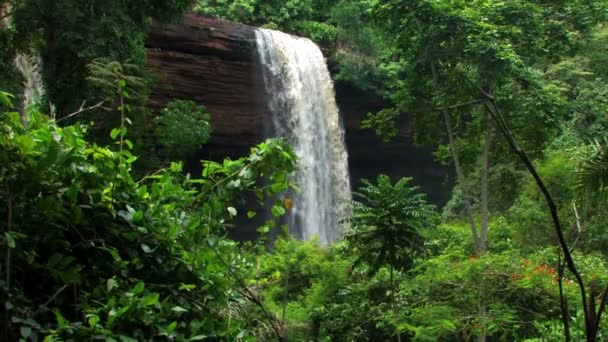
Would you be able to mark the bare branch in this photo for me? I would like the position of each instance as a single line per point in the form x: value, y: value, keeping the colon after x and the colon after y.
x: 50, y: 299
x: 464, y: 104
x: 578, y: 227
x: 601, y: 309
x: 82, y: 109
x: 248, y: 294
x: 6, y: 15
x: 504, y: 127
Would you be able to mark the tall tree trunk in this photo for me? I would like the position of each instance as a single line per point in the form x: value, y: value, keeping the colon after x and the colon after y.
x: 459, y: 172
x: 483, y: 238
x: 485, y: 170
x: 393, y: 299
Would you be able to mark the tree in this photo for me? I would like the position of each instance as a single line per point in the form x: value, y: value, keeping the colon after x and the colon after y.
x: 482, y: 56
x: 182, y: 128
x: 387, y: 224
x: 69, y: 34
x: 593, y: 174
x: 90, y: 251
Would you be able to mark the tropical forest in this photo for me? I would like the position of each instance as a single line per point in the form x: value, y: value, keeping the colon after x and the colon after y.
x: 303, y: 170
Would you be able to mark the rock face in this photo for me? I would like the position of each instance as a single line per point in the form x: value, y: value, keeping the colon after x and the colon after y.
x: 214, y: 63
x: 369, y: 156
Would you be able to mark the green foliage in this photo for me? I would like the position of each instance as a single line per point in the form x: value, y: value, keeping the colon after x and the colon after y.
x: 182, y: 128
x: 592, y: 179
x: 355, y: 46
x: 91, y: 252
x: 70, y: 35
x: 268, y: 13
x: 321, y: 33
x: 387, y: 223
x: 298, y: 277
x: 358, y: 309
x: 112, y: 79
x: 9, y: 76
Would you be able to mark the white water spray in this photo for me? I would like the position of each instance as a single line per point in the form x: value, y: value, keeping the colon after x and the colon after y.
x: 33, y: 87
x: 304, y: 111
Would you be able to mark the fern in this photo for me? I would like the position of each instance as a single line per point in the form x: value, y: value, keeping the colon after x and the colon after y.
x: 387, y: 223
x: 592, y: 180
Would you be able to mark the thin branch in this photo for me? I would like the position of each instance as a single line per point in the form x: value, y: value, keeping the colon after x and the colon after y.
x: 221, y: 181
x: 601, y: 309
x: 82, y: 109
x: 9, y: 223
x: 485, y: 171
x: 458, y: 167
x: 6, y: 15
x: 504, y: 127
x: 563, y: 300
x: 578, y: 227
x: 464, y: 104
x: 455, y: 106
x: 249, y: 295
x: 50, y: 299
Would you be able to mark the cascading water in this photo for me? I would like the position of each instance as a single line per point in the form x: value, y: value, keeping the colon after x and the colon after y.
x: 304, y: 111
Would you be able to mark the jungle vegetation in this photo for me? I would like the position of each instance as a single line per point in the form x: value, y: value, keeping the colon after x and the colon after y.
x: 105, y: 237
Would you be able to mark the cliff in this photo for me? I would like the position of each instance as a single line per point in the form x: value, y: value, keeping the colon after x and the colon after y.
x: 213, y: 62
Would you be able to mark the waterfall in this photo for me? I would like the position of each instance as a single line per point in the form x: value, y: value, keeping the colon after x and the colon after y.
x: 304, y: 111
x: 33, y: 86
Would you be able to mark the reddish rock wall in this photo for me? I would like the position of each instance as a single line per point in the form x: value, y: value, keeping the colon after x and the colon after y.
x: 212, y: 62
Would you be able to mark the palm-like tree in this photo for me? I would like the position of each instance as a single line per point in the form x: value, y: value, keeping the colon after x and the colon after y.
x: 593, y: 174
x: 386, y: 226
x: 387, y: 222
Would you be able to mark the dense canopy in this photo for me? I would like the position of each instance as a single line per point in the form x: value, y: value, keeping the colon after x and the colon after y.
x: 106, y: 236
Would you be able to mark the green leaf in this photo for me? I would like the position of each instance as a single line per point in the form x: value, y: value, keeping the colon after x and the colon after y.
x: 187, y: 287
x: 251, y: 214
x: 151, y: 299
x: 146, y: 248
x: 139, y: 288
x: 176, y: 167
x: 197, y: 338
x: 172, y: 327
x: 179, y: 309
x: 138, y: 216
x: 61, y: 322
x: 232, y: 211
x: 25, y: 331
x: 278, y: 210
x: 5, y: 98
x: 111, y: 284
x: 10, y: 240
x: 129, y: 144
x: 124, y: 338
x: 114, y: 133
x: 93, y: 320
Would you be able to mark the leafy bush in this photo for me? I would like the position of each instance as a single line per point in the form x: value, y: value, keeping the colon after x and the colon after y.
x: 91, y: 252
x: 182, y: 128
x: 321, y: 33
